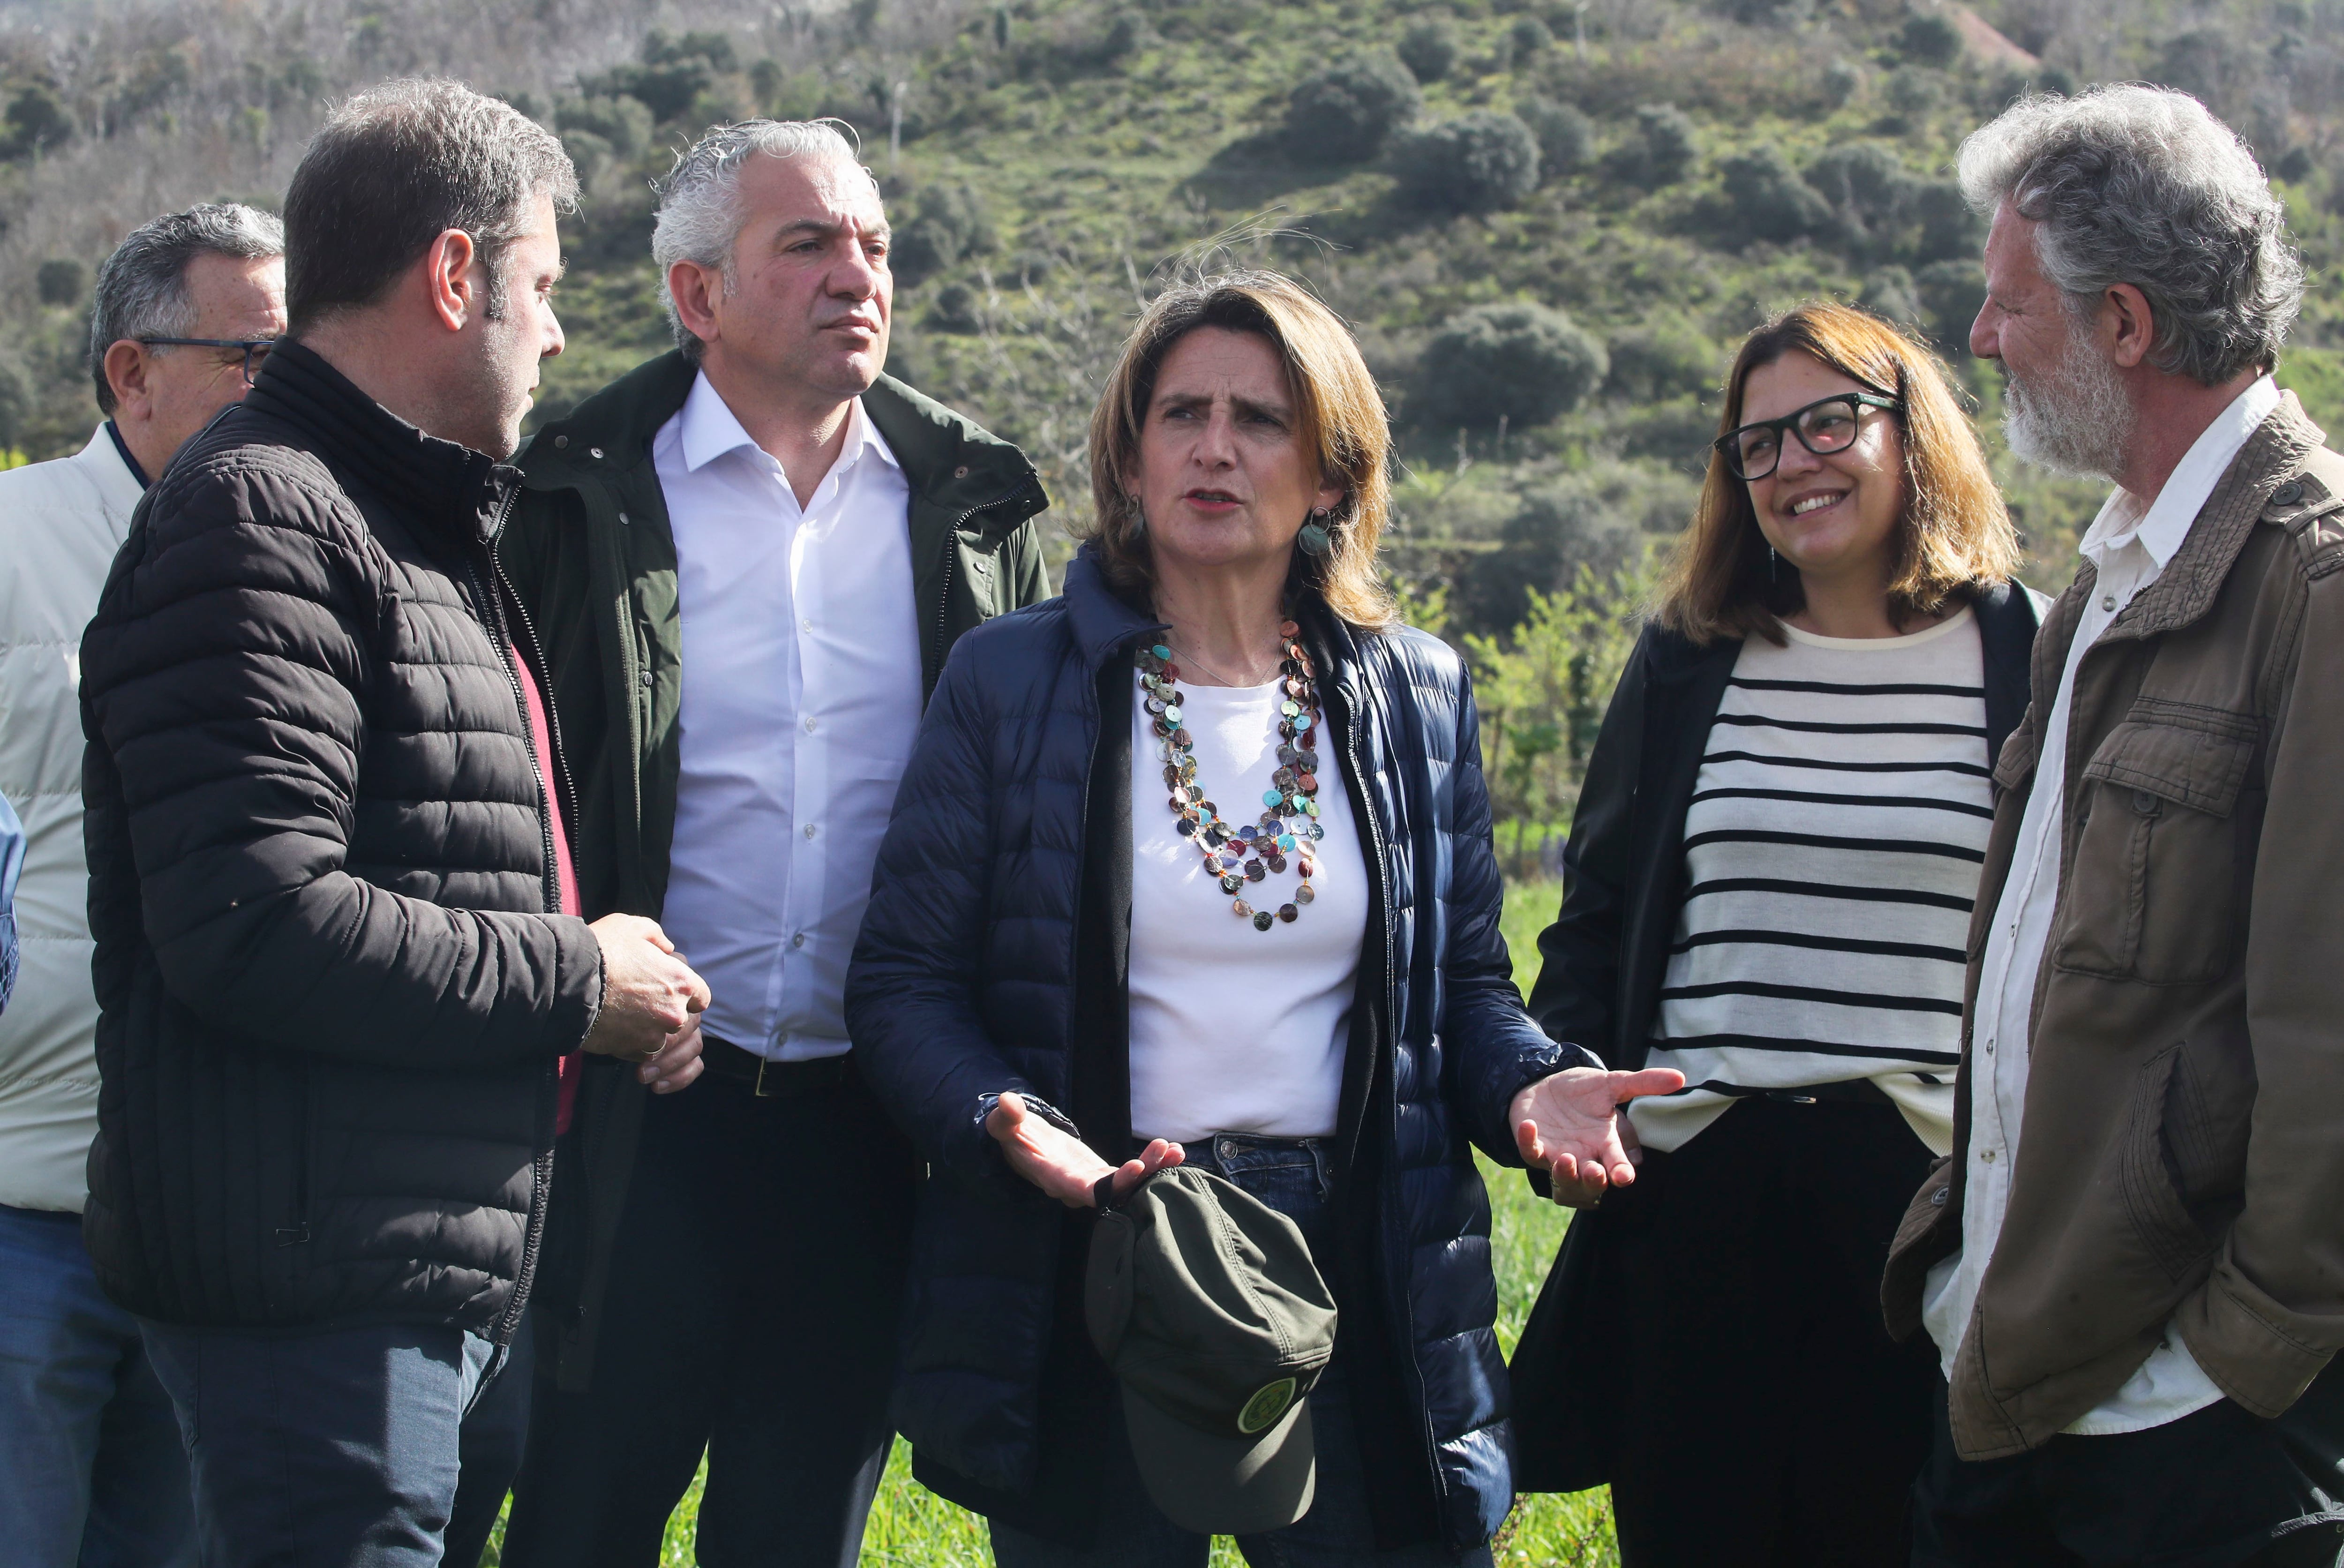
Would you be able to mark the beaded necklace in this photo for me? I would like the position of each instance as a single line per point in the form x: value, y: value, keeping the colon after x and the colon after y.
x: 1241, y: 853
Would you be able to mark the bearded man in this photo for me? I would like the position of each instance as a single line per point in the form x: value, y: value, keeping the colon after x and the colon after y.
x: 2130, y: 1263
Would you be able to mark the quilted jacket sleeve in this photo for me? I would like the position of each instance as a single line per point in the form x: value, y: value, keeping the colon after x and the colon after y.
x: 1491, y: 1049
x: 912, y: 992
x: 223, y: 686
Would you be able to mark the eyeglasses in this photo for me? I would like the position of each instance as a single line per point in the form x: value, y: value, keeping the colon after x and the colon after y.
x: 256, y: 349
x: 1826, y: 426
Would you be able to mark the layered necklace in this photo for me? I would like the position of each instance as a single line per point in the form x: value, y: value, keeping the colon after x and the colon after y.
x: 1242, y: 854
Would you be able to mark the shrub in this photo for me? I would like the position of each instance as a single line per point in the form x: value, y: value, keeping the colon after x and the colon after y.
x: 60, y: 282
x: 1914, y: 93
x: 1930, y: 40
x: 1346, y: 113
x: 37, y: 121
x: 1666, y: 357
x: 1949, y: 229
x: 1768, y: 199
x: 1566, y: 136
x: 1479, y: 162
x: 1952, y: 293
x: 1843, y: 79
x: 1888, y: 292
x: 954, y: 310
x: 1428, y: 49
x: 622, y: 123
x: 1660, y: 148
x: 1525, y: 363
x: 952, y: 225
x: 1528, y: 36
x: 1870, y: 194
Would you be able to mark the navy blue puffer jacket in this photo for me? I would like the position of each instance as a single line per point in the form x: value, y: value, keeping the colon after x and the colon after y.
x: 963, y: 987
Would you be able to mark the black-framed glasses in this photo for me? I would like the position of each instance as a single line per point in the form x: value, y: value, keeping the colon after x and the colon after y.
x: 1826, y: 426
x: 256, y: 349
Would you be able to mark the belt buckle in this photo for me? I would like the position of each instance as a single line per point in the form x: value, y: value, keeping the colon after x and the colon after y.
x: 758, y: 1089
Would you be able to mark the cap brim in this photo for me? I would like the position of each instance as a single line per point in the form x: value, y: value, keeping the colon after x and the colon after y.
x: 1223, y: 1485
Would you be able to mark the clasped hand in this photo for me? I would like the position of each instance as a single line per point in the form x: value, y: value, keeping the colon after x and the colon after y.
x: 652, y: 1003
x: 1571, y: 1125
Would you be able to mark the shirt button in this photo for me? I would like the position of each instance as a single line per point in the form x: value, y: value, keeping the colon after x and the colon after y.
x: 805, y: 624
x: 798, y: 940
x: 1989, y: 1047
x: 594, y: 452
x: 560, y: 442
x: 809, y: 724
x: 809, y: 830
x: 622, y: 517
x: 2108, y: 601
x: 646, y: 677
x: 1987, y: 1156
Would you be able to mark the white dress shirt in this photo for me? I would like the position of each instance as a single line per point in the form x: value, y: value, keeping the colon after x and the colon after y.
x: 2130, y: 544
x: 800, y: 699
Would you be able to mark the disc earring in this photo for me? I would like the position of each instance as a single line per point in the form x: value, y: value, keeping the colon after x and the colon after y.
x: 1314, y: 538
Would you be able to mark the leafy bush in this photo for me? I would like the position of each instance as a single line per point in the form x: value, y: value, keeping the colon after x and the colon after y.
x: 1870, y: 194
x: 1888, y: 292
x: 1479, y: 162
x: 1768, y: 199
x: 1566, y: 136
x: 1525, y: 363
x: 1428, y: 49
x: 1930, y: 40
x: 1914, y: 94
x: 37, y: 121
x: 1949, y: 229
x: 954, y: 310
x: 1843, y: 79
x: 1666, y: 357
x: 622, y: 123
x: 1528, y: 36
x: 952, y: 225
x: 1346, y: 113
x: 60, y: 282
x: 1951, y: 293
x: 1660, y: 148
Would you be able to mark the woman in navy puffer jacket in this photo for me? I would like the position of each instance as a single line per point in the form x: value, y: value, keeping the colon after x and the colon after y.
x: 1064, y: 983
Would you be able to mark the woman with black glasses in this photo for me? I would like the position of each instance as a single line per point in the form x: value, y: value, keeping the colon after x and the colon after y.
x: 1769, y: 885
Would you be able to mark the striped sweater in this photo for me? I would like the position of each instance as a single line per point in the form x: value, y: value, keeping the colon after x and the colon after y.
x: 1833, y: 848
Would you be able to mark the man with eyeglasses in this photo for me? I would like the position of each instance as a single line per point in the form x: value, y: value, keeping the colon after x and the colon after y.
x: 87, y: 1440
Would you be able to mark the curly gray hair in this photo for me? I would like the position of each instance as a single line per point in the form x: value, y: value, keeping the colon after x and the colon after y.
x: 2140, y: 184
x: 700, y: 213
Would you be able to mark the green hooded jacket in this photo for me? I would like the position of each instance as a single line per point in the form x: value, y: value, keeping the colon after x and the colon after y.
x: 592, y: 558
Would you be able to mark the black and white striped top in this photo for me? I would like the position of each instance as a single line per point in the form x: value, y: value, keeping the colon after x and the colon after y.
x: 1833, y: 848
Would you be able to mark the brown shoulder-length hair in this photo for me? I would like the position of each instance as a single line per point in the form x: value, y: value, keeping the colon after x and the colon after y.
x: 1955, y: 538
x: 1340, y: 414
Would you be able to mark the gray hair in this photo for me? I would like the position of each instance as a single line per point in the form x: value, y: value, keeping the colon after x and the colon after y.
x: 2139, y: 185
x: 142, y: 287
x: 700, y: 215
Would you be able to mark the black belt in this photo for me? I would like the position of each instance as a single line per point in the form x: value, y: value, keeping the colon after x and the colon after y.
x: 726, y: 1063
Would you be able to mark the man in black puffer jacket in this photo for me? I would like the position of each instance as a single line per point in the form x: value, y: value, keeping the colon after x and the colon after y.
x: 330, y: 865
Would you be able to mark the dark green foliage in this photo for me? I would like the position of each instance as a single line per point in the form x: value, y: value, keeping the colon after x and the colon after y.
x: 1523, y: 363
x: 1888, y: 293
x: 673, y: 74
x: 1951, y: 293
x: 1843, y: 79
x: 951, y: 226
x: 1527, y: 37
x: 1949, y: 229
x: 1913, y: 94
x: 2296, y: 165
x: 2210, y: 63
x: 1930, y: 40
x: 37, y: 121
x: 1428, y: 49
x: 61, y: 282
x: 1870, y: 194
x: 1566, y: 136
x: 1346, y: 113
x: 1660, y: 148
x: 1767, y: 200
x: 766, y: 79
x: 1479, y: 162
x: 1667, y: 356
x: 955, y: 312
x: 623, y: 123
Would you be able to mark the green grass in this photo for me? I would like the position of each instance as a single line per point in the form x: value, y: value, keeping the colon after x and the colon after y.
x: 912, y: 1527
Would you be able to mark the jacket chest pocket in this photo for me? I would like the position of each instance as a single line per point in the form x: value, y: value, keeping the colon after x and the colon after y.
x: 2165, y: 845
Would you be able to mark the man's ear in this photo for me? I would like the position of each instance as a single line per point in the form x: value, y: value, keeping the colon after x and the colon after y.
x: 453, y: 292
x: 2127, y: 326
x: 126, y: 365
x: 695, y: 291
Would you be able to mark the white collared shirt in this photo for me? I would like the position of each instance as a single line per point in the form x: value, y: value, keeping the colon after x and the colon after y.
x: 801, y: 700
x: 2130, y: 544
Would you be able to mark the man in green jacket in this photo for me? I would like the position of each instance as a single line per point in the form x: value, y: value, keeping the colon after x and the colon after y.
x: 746, y: 561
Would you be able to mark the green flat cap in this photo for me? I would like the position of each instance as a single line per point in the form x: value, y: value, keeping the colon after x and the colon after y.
x: 1205, y: 1303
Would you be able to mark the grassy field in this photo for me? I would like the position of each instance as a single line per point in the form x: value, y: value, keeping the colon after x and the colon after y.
x: 912, y: 1527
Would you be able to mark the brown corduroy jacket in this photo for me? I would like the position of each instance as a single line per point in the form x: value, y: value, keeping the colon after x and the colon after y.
x: 2183, y: 1151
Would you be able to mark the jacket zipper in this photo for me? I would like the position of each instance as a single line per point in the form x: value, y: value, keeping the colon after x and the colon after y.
x: 493, y: 622
x: 952, y: 536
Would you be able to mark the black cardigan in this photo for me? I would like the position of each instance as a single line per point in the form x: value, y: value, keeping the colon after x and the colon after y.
x: 1602, y: 961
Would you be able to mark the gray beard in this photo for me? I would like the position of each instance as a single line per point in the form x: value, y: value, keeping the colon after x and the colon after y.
x: 2079, y: 423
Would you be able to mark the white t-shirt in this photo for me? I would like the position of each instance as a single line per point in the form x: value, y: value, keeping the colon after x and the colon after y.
x: 1234, y: 1029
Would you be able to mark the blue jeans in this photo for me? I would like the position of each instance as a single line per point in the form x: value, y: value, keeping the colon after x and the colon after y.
x: 335, y: 1445
x: 91, y: 1471
x: 1295, y: 1177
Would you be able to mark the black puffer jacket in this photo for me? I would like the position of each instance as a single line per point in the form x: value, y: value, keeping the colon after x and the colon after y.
x: 331, y: 995
x: 966, y: 983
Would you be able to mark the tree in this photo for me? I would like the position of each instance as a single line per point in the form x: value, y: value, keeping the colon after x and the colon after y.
x: 953, y: 225
x: 60, y: 282
x: 1767, y: 198
x: 1660, y: 149
x: 1930, y: 39
x: 1477, y: 162
x: 1428, y: 49
x: 1566, y: 136
x: 1952, y: 293
x: 37, y: 121
x: 1666, y: 357
x: 1523, y: 363
x: 1346, y: 113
